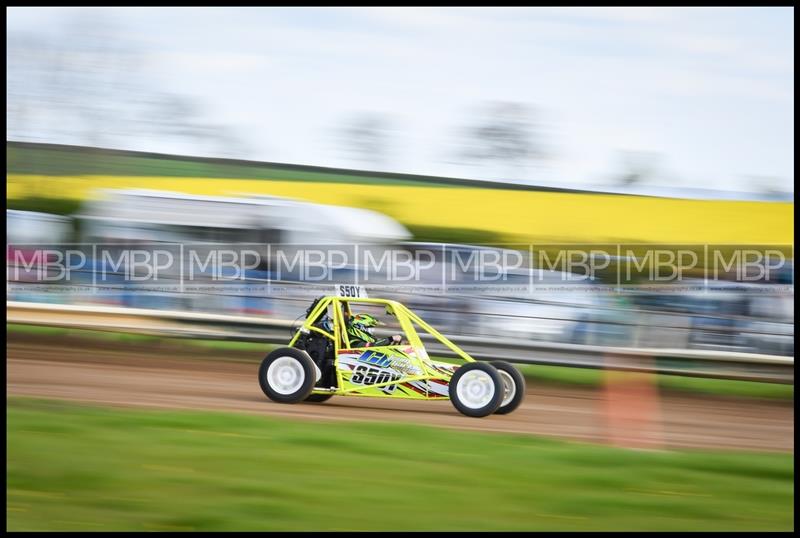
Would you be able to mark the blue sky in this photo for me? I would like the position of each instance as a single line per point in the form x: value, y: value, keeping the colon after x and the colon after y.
x: 711, y: 91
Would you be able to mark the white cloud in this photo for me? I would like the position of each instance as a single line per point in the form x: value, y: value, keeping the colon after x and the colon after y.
x: 605, y: 78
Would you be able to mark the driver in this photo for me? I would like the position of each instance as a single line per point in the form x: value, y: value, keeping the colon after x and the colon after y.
x: 359, y: 331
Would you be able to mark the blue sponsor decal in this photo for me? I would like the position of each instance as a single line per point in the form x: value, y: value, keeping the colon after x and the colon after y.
x: 377, y: 358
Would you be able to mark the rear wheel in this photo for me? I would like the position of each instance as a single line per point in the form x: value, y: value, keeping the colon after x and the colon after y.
x: 513, y: 385
x: 287, y: 375
x: 476, y: 389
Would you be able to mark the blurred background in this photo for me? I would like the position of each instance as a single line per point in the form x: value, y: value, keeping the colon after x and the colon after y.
x: 523, y: 126
x: 465, y: 132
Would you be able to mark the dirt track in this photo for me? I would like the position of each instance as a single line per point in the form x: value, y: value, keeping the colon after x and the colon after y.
x: 166, y: 378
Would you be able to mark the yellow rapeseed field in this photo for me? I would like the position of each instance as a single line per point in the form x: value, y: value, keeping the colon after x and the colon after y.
x: 514, y: 215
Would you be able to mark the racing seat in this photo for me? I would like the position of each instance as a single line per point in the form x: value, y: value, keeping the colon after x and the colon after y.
x: 321, y: 351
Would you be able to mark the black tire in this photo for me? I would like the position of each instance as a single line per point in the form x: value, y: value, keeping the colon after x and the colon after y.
x: 496, y: 398
x: 307, y: 368
x: 319, y: 398
x: 519, y: 387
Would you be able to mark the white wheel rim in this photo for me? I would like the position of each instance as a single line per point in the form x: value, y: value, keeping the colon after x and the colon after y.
x: 285, y: 375
x: 509, y: 386
x: 475, y: 389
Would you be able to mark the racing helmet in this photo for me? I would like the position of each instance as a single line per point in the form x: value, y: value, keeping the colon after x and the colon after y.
x: 365, y: 322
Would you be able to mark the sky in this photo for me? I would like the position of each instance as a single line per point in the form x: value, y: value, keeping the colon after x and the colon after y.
x: 709, y: 91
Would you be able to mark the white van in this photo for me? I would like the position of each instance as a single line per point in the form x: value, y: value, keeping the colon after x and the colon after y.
x: 34, y: 227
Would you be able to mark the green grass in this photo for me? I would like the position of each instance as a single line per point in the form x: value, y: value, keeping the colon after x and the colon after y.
x: 49, y: 160
x: 72, y: 467
x: 717, y: 387
x: 113, y: 336
x: 45, y: 204
x: 31, y: 159
x: 722, y: 387
x: 535, y: 374
x: 35, y: 159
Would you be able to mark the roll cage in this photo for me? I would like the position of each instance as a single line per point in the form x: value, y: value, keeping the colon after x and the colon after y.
x: 341, y: 340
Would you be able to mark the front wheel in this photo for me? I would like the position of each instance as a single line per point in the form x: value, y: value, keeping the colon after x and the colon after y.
x: 287, y: 375
x: 514, y: 387
x: 476, y: 389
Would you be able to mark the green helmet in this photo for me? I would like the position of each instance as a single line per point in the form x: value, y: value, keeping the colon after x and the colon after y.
x: 361, y: 326
x: 366, y: 321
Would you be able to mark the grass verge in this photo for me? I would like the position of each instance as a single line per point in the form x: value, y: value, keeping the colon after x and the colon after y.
x: 72, y: 467
x: 692, y: 385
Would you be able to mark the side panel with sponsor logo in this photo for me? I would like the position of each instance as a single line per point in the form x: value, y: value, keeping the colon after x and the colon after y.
x: 361, y: 368
x: 445, y: 371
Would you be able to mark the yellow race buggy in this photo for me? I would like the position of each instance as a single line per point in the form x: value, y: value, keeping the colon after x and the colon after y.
x: 322, y: 360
